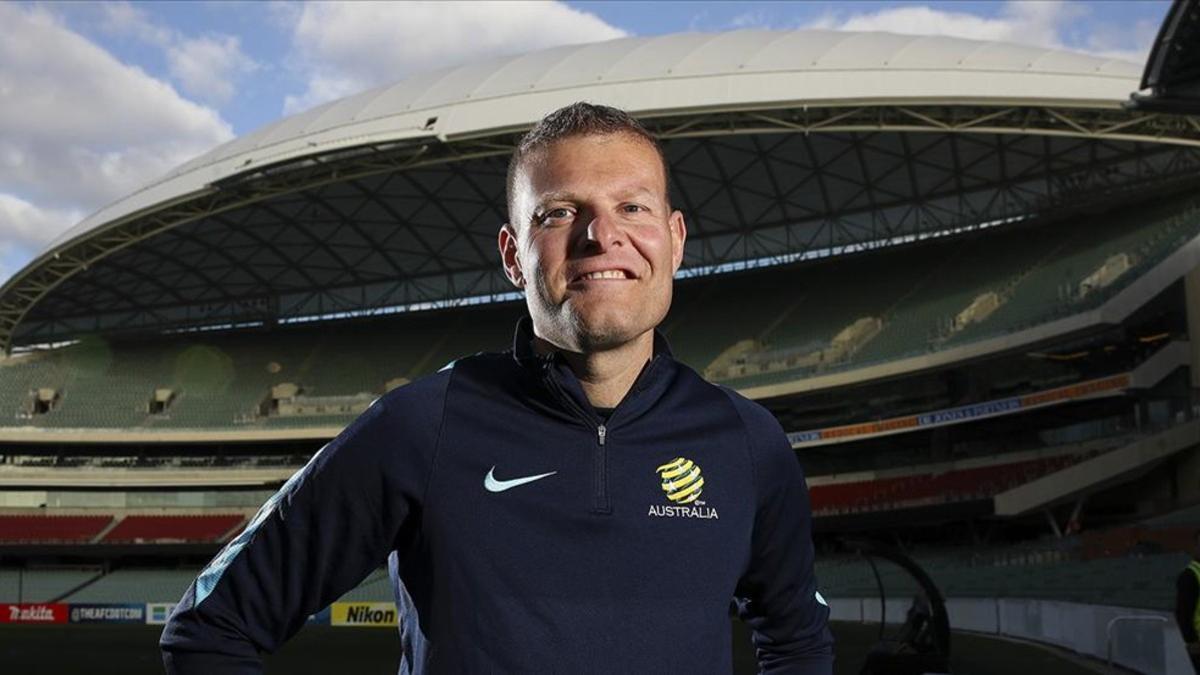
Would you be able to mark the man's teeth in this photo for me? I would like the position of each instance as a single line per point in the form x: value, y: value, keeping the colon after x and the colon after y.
x: 606, y: 274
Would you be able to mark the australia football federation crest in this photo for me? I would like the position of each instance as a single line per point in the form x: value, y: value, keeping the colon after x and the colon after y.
x: 681, y: 480
x: 682, y: 483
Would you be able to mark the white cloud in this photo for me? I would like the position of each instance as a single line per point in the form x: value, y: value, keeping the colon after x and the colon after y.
x: 78, y: 128
x: 342, y: 48
x: 1121, y: 42
x: 6, y: 270
x: 29, y: 226
x: 1024, y: 22
x: 1038, y: 23
x: 754, y: 19
x: 122, y: 18
x: 25, y: 228
x: 7, y: 267
x: 208, y: 66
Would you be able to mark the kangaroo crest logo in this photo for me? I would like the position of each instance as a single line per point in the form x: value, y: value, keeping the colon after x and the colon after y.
x: 681, y: 480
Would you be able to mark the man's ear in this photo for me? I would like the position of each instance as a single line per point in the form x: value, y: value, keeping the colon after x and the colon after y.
x: 509, y: 257
x: 678, y: 238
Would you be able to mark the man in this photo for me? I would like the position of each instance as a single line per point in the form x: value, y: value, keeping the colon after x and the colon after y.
x: 580, y: 504
x: 1187, y: 611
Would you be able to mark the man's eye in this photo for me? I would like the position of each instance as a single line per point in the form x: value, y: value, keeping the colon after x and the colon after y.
x: 553, y: 215
x: 633, y: 208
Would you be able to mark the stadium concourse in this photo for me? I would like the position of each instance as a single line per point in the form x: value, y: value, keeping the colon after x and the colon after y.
x: 963, y: 275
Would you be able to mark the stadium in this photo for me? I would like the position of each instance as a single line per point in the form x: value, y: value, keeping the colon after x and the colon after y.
x: 963, y: 275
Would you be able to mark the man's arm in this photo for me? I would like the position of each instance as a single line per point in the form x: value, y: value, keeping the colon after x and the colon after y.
x: 1186, y: 593
x: 777, y: 595
x: 332, y: 523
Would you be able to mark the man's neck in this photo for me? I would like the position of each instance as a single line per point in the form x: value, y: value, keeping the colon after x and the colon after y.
x: 608, y: 375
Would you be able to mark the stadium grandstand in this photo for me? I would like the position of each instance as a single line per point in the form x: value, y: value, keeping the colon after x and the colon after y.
x: 965, y: 276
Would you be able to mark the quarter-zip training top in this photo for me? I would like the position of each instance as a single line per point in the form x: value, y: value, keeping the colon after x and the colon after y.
x: 524, y: 534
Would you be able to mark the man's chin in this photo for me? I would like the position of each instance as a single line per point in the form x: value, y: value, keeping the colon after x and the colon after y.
x: 602, y: 340
x: 599, y: 335
x: 584, y: 327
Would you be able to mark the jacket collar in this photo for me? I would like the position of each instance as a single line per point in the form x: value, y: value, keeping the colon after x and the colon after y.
x: 564, y: 386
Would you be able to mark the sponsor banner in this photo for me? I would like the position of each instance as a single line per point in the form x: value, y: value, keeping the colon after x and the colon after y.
x: 321, y: 618
x: 157, y: 612
x: 362, y: 614
x: 969, y: 412
x: 1098, y: 387
x: 1104, y: 386
x: 33, y: 612
x: 107, y: 613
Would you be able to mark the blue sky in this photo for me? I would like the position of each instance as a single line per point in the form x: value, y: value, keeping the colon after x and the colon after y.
x: 97, y: 99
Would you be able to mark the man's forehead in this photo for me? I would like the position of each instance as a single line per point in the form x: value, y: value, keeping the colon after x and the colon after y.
x: 614, y: 149
x: 623, y: 188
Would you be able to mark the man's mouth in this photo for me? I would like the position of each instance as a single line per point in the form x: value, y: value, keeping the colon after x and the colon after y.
x: 606, y: 274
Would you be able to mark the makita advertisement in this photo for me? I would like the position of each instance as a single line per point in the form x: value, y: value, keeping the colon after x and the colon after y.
x: 107, y: 613
x: 33, y: 612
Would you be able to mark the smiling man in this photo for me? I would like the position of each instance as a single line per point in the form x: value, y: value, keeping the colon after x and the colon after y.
x: 594, y: 243
x: 582, y: 503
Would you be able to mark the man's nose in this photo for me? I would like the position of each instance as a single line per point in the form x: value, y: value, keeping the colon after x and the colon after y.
x: 603, y: 230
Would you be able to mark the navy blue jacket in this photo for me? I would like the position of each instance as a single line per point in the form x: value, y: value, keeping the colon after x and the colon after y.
x: 624, y: 558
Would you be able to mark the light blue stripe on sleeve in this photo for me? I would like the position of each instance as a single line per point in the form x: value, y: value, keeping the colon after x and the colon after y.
x: 211, y: 574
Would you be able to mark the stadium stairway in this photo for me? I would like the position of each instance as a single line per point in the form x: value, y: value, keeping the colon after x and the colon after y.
x: 42, y: 585
x: 107, y: 528
x: 152, y: 585
x: 79, y: 587
x: 1098, y: 473
x: 969, y: 480
x: 1167, y: 359
x: 136, y: 585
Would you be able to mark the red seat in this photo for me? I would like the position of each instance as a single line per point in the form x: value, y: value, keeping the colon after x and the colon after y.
x: 977, y: 483
x: 51, y: 529
x: 197, y: 528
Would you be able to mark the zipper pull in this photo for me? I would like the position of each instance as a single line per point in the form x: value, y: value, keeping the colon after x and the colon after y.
x: 601, y: 432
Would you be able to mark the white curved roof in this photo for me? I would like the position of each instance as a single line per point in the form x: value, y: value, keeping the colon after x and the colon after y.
x: 670, y: 74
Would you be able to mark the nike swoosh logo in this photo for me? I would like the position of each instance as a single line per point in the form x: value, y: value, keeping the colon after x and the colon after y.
x: 494, y: 485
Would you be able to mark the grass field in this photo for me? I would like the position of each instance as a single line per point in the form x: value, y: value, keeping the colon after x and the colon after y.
x: 320, y: 650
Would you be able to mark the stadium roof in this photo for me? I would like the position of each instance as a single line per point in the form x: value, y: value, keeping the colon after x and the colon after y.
x: 1173, y: 69
x: 782, y: 144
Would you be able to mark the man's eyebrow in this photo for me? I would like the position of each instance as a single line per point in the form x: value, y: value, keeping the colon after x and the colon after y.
x: 568, y: 196
x: 555, y: 197
x: 639, y: 190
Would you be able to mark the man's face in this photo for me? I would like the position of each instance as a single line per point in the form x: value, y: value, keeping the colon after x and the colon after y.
x: 593, y: 241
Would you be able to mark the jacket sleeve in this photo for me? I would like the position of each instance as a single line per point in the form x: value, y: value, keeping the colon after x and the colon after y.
x: 1187, y: 591
x: 331, y: 524
x: 777, y: 595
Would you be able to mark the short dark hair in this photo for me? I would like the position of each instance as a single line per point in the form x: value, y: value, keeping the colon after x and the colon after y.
x: 579, y: 119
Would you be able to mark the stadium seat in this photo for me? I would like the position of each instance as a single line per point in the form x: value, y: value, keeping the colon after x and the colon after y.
x: 788, y: 315
x: 51, y: 529
x: 196, y: 528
